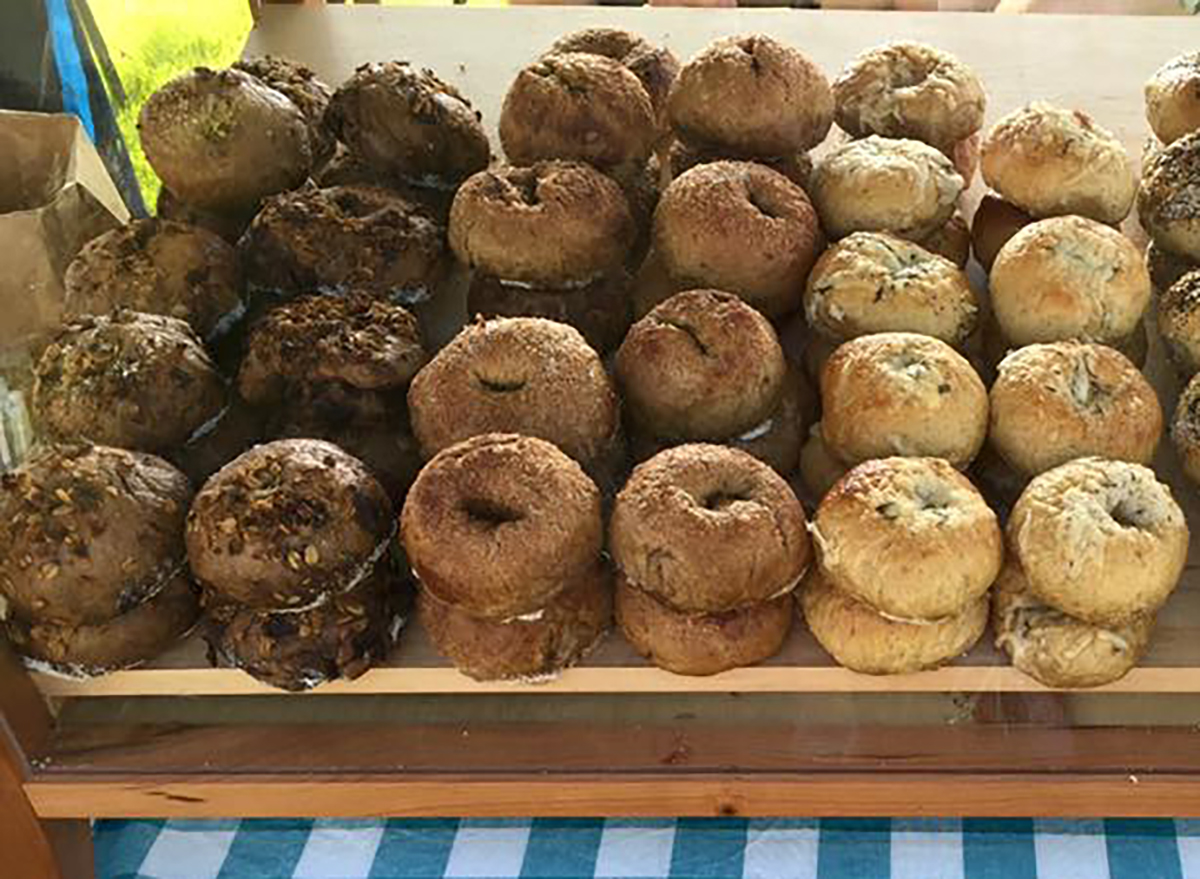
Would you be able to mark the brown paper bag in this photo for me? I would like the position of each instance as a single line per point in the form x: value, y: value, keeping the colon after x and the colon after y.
x: 55, y: 196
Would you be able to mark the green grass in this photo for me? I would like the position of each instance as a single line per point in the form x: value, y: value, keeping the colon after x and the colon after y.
x: 151, y: 41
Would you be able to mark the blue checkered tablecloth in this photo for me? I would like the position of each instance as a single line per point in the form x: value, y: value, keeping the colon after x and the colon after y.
x: 641, y: 849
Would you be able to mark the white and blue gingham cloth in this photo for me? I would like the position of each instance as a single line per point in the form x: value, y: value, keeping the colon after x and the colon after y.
x: 650, y: 849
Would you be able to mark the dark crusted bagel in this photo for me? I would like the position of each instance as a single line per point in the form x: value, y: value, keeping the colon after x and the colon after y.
x: 1166, y: 202
x: 554, y: 224
x: 132, y: 380
x: 708, y: 529
x: 305, y: 90
x: 160, y: 267
x: 134, y: 637
x: 524, y: 520
x: 89, y: 532
x: 345, y: 238
x: 408, y: 122
x: 527, y: 647
x: 287, y: 524
x: 702, y: 644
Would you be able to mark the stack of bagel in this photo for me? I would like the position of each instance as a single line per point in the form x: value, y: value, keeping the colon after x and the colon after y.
x: 504, y: 534
x: 709, y: 544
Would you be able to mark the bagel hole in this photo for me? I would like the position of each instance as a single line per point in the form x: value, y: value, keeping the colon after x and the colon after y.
x: 720, y: 500
x: 760, y: 204
x: 490, y: 514
x: 1130, y: 513
x: 500, y: 385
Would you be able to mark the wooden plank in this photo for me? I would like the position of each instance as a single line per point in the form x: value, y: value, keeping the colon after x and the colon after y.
x: 558, y: 748
x: 704, y: 795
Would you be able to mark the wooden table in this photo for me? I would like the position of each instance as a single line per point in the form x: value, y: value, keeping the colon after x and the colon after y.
x: 1011, y: 752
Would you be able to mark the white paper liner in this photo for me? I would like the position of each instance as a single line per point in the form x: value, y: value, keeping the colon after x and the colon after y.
x: 756, y: 432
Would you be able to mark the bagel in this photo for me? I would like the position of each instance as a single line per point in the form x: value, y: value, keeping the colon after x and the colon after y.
x: 874, y: 282
x: 863, y: 640
x: 1051, y: 162
x: 708, y: 529
x: 902, y: 394
x: 554, y: 224
x: 523, y: 518
x: 1167, y: 206
x: 701, y: 644
x: 1165, y: 268
x: 995, y: 221
x: 909, y: 536
x: 1179, y: 323
x: 1100, y: 540
x: 1173, y: 98
x: 1053, y: 403
x: 741, y: 227
x: 751, y: 95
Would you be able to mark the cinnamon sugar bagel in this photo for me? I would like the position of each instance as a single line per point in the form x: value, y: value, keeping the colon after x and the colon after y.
x: 527, y: 647
x: 751, y: 95
x: 873, y: 282
x: 552, y: 224
x: 741, y: 227
x: 600, y: 309
x: 655, y: 67
x: 1100, y: 540
x: 1068, y: 278
x: 1168, y: 207
x: 286, y: 525
x: 702, y: 365
x: 914, y: 188
x: 89, y: 532
x: 1053, y: 403
x: 1051, y: 162
x: 1056, y: 649
x: 902, y: 394
x: 345, y: 238
x: 1179, y: 322
x: 864, y: 640
x: 708, y: 529
x: 523, y: 519
x: 409, y: 123
x: 517, y: 375
x: 908, y: 89
x: 578, y: 106
x: 909, y: 536
x: 701, y: 643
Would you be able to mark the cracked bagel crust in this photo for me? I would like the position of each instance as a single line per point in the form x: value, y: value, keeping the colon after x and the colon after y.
x: 902, y: 394
x: 1100, y: 540
x: 751, y: 95
x: 1068, y: 278
x: 873, y: 282
x: 741, y: 227
x: 701, y: 643
x: 908, y: 89
x: 702, y: 365
x: 708, y: 529
x: 911, y: 537
x: 913, y: 188
x: 1056, y: 402
x: 1056, y: 649
x: 1050, y: 162
x: 863, y: 640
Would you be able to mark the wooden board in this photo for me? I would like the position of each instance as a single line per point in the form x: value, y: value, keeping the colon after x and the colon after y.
x: 1092, y: 63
